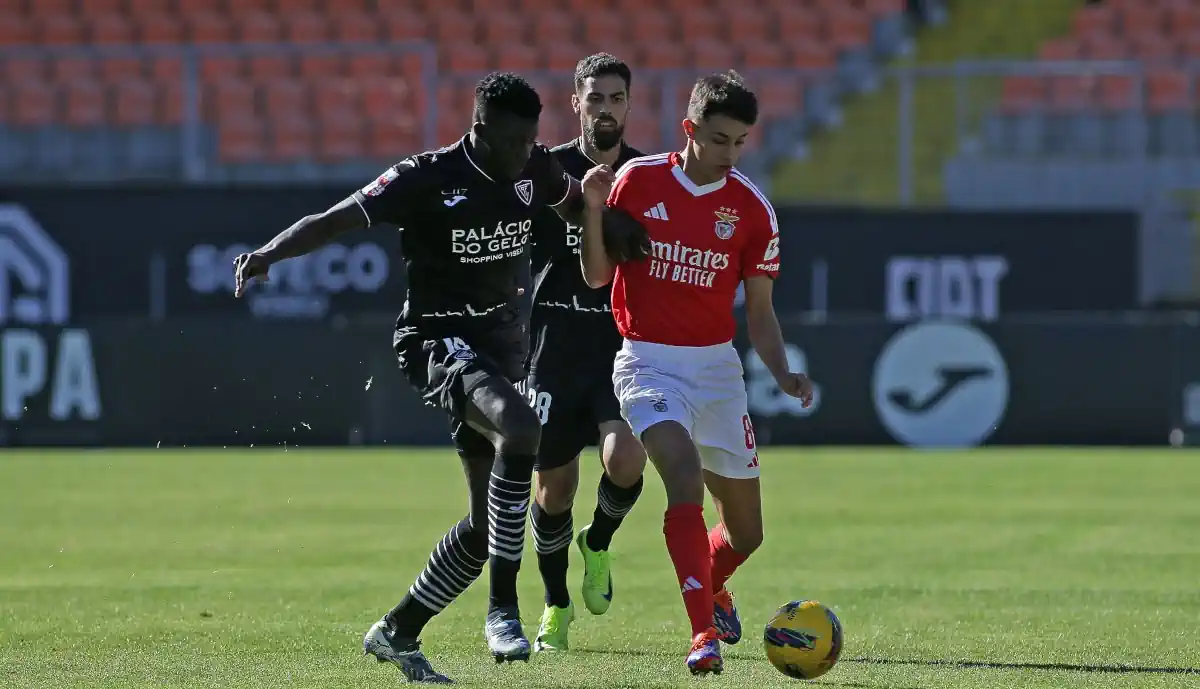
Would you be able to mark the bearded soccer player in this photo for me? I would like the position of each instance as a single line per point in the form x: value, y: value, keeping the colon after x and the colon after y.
x: 570, y: 376
x: 465, y: 213
x: 677, y: 376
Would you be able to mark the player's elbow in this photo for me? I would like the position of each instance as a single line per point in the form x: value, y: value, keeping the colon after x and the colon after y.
x: 597, y: 277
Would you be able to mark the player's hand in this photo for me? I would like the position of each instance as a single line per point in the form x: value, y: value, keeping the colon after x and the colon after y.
x: 247, y: 267
x: 596, y: 185
x: 798, y: 385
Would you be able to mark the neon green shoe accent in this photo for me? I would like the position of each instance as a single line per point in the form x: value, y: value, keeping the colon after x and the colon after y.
x: 552, y: 633
x: 597, y: 576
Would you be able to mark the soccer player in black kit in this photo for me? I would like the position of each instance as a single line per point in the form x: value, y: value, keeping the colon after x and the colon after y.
x: 570, y: 378
x: 465, y: 213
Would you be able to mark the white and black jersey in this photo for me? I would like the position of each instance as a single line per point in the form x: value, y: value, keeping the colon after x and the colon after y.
x: 464, y: 235
x: 574, y: 336
x: 558, y: 278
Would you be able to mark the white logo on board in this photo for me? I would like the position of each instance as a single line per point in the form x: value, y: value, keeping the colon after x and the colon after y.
x: 35, y: 281
x: 940, y: 385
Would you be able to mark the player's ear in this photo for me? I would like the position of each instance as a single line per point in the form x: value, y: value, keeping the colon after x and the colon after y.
x: 479, y: 130
x: 689, y: 128
x: 575, y: 103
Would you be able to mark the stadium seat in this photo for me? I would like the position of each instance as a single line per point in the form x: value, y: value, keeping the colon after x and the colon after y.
x: 133, y: 103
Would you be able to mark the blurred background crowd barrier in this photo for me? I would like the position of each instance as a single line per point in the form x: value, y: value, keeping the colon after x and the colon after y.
x: 988, y: 208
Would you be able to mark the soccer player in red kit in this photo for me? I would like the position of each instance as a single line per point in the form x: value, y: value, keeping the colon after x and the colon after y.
x: 677, y: 376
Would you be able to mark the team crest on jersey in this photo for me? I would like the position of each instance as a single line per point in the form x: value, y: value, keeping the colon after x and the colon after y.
x: 524, y: 191
x: 376, y: 188
x: 726, y: 219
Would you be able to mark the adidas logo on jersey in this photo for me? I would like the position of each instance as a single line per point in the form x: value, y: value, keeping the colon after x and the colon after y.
x: 659, y: 212
x: 690, y: 584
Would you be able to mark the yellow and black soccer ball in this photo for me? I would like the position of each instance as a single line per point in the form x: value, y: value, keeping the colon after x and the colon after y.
x: 803, y: 639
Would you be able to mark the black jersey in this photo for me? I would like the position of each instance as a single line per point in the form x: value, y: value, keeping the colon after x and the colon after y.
x: 558, y: 277
x: 463, y: 234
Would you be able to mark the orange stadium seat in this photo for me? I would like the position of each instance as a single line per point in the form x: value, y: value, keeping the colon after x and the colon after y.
x: 138, y: 8
x: 59, y: 29
x: 395, y: 138
x: 133, y: 103
x: 764, y: 55
x: 1151, y: 47
x: 661, y: 56
x: 1071, y: 92
x: 33, y: 103
x: 450, y: 27
x: 290, y: 7
x: 700, y: 24
x: 355, y: 27
x: 502, y: 30
x: 1117, y: 92
x: 166, y: 69
x: 385, y: 97
x: 847, y: 28
x: 284, y: 98
x: 516, y: 58
x: 16, y: 30
x: 562, y: 57
x: 1094, y: 19
x: 301, y: 28
x: 290, y: 140
x: 796, y: 23
x: 241, y: 141
x: 712, y: 56
x: 85, y: 104
x: 98, y: 7
x: 209, y: 28
x: 70, y: 69
x: 220, y: 67
x: 1168, y: 89
x: 749, y: 28
x: 269, y: 66
x: 340, y: 99
x: 340, y: 140
x: 321, y: 66
x: 464, y: 58
x: 336, y: 7
x: 600, y: 26
x: 54, y: 7
x: 1020, y: 93
x: 190, y: 8
x: 159, y: 28
x: 555, y: 26
x: 1139, y: 20
x: 230, y: 99
x: 399, y: 27
x: 115, y: 29
x: 122, y: 68
x: 19, y: 69
x: 652, y: 26
x: 257, y: 27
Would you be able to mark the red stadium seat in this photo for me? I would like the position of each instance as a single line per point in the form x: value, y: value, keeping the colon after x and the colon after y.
x: 72, y: 69
x: 133, y: 103
x: 33, y: 103
x: 138, y: 8
x: 516, y: 58
x: 1020, y: 93
x: 60, y: 30
x: 158, y: 28
x: 301, y: 28
x: 114, y: 29
x: 290, y: 140
x: 1169, y: 89
x: 284, y: 98
x: 258, y: 27
x: 190, y: 8
x: 339, y: 99
x: 85, y: 104
x: 241, y: 141
x: 269, y: 67
x: 1117, y: 92
x: 700, y: 25
x: 555, y: 27
x: 502, y: 30
x: 340, y: 140
x: 321, y: 66
x: 1094, y: 19
x: 355, y: 27
x: 208, y: 28
x: 95, y: 7
x: 16, y: 31
x: 20, y: 69
x: 122, y: 69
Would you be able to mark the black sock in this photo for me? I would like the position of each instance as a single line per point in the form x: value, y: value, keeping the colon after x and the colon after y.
x: 552, y: 541
x: 508, y: 503
x: 612, y: 504
x: 454, y: 564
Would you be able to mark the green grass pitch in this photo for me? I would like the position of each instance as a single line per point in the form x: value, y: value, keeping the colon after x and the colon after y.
x: 263, y: 568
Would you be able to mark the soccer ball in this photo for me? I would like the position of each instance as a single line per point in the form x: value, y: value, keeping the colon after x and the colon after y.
x: 803, y: 639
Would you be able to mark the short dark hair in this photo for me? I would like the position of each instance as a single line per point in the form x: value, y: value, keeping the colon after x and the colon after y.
x: 723, y: 94
x: 599, y: 65
x: 509, y: 93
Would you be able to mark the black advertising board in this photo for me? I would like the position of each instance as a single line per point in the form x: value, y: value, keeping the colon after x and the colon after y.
x: 908, y: 265
x: 166, y: 253
x: 226, y: 381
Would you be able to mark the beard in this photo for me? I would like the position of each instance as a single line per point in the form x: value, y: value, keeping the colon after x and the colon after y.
x: 604, y: 139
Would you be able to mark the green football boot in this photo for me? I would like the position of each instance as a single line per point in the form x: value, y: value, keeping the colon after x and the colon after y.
x: 597, y: 575
x: 552, y: 633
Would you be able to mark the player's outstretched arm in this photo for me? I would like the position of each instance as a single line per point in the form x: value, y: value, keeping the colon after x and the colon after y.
x: 306, y: 235
x: 762, y: 325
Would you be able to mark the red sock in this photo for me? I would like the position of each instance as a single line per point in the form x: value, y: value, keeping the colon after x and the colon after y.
x: 725, y: 560
x: 684, y: 528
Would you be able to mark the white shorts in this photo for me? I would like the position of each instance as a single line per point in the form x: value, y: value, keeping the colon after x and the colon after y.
x: 701, y: 388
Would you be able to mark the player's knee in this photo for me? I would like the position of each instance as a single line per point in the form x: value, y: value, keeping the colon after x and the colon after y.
x: 520, y: 430
x: 624, y: 457
x: 556, y: 487
x: 475, y: 539
x: 745, y: 539
x: 674, y: 455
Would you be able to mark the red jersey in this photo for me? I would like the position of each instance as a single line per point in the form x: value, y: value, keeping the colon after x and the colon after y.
x: 704, y: 241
